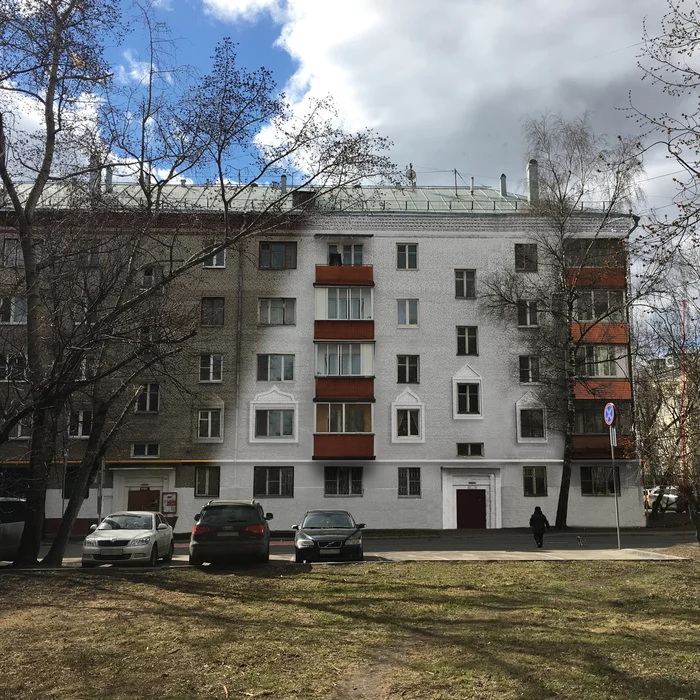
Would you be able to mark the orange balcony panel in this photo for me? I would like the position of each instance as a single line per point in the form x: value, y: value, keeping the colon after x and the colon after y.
x: 596, y: 277
x: 604, y: 389
x: 333, y: 388
x: 334, y: 446
x: 598, y: 447
x: 362, y: 275
x: 343, y: 330
x: 601, y: 332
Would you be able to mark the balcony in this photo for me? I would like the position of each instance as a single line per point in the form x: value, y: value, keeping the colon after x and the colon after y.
x: 604, y: 389
x: 597, y: 277
x: 343, y: 330
x: 347, y: 275
x: 601, y: 332
x: 598, y: 447
x: 339, y: 446
x: 345, y: 388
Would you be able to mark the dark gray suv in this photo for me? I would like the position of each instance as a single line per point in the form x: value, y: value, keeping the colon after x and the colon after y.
x: 227, y: 530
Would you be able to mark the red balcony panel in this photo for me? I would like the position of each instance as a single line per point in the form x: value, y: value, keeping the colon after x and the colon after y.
x: 597, y: 277
x: 358, y: 275
x: 601, y: 332
x: 343, y: 330
x: 604, y: 389
x: 598, y: 447
x: 345, y: 388
x: 354, y: 446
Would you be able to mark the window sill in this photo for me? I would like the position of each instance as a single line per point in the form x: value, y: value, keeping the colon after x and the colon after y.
x: 533, y: 441
x: 535, y: 495
x: 274, y: 325
x: 209, y: 440
x: 144, y: 457
x: 264, y: 495
x: 413, y: 497
x: 343, y: 495
x: 275, y: 381
x: 413, y: 325
x: 529, y: 326
x: 465, y: 298
x: 211, y: 381
x: 468, y: 416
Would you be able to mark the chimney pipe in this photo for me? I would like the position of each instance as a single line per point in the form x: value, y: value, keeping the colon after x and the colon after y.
x: 108, y: 179
x: 504, y: 190
x: 471, y: 185
x: 283, y: 184
x: 533, y: 182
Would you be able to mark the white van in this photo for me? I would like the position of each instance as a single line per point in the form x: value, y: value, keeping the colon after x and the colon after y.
x: 12, y: 511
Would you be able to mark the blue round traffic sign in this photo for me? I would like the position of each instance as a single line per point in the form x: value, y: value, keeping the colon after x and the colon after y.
x: 609, y: 413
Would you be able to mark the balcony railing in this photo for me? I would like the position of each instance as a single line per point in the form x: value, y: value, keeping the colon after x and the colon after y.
x: 343, y: 330
x: 604, y: 389
x: 344, y: 446
x: 600, y: 332
x: 345, y: 274
x: 598, y: 447
x: 334, y: 388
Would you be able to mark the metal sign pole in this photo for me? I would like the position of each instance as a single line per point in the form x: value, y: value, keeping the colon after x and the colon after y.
x: 616, y: 482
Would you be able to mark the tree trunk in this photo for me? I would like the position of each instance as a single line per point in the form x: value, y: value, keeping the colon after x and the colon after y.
x: 563, y: 502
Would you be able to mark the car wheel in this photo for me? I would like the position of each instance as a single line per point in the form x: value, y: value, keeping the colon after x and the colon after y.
x: 196, y: 561
x: 359, y: 556
x: 299, y: 556
x: 169, y: 556
x: 265, y: 556
x: 88, y: 564
x: 153, y: 559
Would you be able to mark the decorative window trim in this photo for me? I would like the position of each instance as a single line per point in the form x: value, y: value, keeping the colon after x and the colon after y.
x: 271, y: 400
x: 467, y: 375
x: 407, y: 400
x: 530, y: 402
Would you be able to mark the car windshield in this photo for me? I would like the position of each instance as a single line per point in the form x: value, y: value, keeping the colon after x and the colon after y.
x: 127, y: 521
x: 329, y: 520
x: 221, y: 515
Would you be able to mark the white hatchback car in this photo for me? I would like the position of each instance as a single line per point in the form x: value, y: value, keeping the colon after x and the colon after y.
x: 129, y: 537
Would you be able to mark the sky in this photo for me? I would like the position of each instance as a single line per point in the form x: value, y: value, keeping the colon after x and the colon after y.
x: 448, y: 81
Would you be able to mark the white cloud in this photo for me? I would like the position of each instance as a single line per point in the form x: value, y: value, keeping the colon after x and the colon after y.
x: 242, y: 9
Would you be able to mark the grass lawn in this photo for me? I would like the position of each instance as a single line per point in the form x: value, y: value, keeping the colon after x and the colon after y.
x: 414, y: 630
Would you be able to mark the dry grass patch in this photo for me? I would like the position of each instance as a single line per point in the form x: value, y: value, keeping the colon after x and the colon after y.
x: 426, y: 631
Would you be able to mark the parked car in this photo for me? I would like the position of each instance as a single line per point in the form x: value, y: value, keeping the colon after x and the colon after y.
x: 328, y: 534
x: 129, y: 537
x: 670, y: 499
x: 12, y: 511
x: 226, y: 530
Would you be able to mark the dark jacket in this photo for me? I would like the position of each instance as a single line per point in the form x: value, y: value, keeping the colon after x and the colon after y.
x: 539, y: 523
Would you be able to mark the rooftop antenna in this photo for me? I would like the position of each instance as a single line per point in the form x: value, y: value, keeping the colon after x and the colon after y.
x: 411, y: 175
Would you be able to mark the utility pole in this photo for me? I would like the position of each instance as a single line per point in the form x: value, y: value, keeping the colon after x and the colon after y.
x: 684, y: 439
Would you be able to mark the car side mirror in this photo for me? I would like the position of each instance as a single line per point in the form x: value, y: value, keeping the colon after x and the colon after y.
x: 268, y: 516
x: 295, y: 527
x: 162, y: 526
x: 197, y: 516
x: 93, y: 527
x: 359, y: 526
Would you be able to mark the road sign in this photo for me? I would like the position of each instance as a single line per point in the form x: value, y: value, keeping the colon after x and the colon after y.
x: 609, y: 413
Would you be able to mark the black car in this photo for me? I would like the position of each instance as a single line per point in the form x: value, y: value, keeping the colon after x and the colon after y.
x: 328, y: 534
x: 227, y: 530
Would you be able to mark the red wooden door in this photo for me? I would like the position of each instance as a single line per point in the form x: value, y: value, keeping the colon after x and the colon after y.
x: 144, y: 499
x: 471, y: 508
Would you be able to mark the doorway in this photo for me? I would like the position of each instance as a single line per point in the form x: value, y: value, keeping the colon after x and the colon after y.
x: 471, y: 509
x: 144, y: 499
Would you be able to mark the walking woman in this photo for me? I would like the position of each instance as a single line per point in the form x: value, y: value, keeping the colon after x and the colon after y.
x: 539, y: 523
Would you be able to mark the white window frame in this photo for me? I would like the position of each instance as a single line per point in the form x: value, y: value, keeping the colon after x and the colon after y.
x: 216, y: 261
x: 533, y: 478
x: 597, y: 356
x: 146, y: 445
x: 210, y: 368
x: 148, y: 393
x: 466, y: 341
x: 22, y: 430
x: 406, y: 253
x: 18, y: 311
x: 466, y: 375
x: 407, y: 311
x: 342, y: 248
x: 356, y: 301
x: 265, y: 305
x: 407, y: 369
x: 463, y: 274
x: 582, y: 309
x: 209, y: 437
x: 80, y: 423
x: 324, y: 350
x: 471, y: 456
x: 148, y: 281
x: 407, y: 400
x: 268, y: 481
x: 529, y: 402
x: 531, y: 308
x: 283, y: 365
x: 343, y: 404
x: 407, y: 471
x: 274, y: 400
x: 207, y: 487
x: 530, y: 373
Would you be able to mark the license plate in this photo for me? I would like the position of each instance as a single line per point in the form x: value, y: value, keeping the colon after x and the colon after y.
x: 110, y: 550
x: 328, y: 552
x: 227, y: 534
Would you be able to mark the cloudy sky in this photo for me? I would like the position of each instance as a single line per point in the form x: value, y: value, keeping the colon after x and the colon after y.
x: 448, y: 81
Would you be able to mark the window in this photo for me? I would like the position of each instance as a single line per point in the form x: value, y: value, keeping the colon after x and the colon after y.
x: 527, y: 313
x: 211, y: 368
x: 532, y: 423
x: 409, y: 482
x: 339, y: 359
x: 80, y: 424
x: 278, y: 256
x: 589, y: 418
x: 275, y: 368
x: 22, y: 430
x: 13, y: 310
x: 407, y: 312
x: 277, y: 423
x: 408, y: 422
x: 349, y: 303
x: 90, y: 254
x: 468, y: 399
x: 599, y: 481
x: 535, y: 481
x: 13, y: 368
x: 152, y: 276
x: 207, y: 482
x: 209, y: 424
x: 407, y: 256
x: 273, y: 481
x: 529, y: 369
x: 407, y: 369
x: 345, y: 254
x: 343, y: 481
x: 277, y: 312
x: 603, y: 305
x: 217, y: 259
x: 470, y: 449
x: 145, y: 449
x: 343, y: 418
x: 88, y: 368
x: 465, y: 284
x: 12, y: 253
x: 467, y: 340
x: 526, y: 257
x: 148, y: 400
x: 595, y: 252
x: 212, y: 311
x: 596, y: 361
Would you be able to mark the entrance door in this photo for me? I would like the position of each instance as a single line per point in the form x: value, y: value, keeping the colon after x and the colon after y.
x: 144, y: 499
x: 471, y: 508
